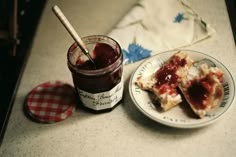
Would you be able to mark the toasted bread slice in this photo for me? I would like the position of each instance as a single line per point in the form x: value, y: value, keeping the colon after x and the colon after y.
x: 204, y: 91
x: 164, y: 82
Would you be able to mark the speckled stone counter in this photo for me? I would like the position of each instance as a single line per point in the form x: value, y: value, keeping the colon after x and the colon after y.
x: 125, y: 131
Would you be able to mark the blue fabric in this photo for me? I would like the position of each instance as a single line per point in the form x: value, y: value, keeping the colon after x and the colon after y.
x: 135, y: 53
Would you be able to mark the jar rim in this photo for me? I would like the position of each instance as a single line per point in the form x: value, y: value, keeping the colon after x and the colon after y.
x: 100, y: 71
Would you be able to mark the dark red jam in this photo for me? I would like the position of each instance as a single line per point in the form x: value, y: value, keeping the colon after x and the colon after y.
x: 167, y: 76
x: 103, y: 55
x: 200, y: 90
x: 99, y: 83
x: 198, y: 94
x: 95, y: 79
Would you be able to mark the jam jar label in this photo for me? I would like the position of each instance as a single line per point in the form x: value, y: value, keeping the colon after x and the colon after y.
x: 103, y: 100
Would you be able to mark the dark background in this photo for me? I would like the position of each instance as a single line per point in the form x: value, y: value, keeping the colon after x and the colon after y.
x: 12, y: 63
x: 231, y: 6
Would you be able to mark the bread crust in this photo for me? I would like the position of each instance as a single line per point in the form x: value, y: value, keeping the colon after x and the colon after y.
x: 210, y: 92
x: 166, y: 92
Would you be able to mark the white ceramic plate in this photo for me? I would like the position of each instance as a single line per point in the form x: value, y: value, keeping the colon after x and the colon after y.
x: 180, y: 116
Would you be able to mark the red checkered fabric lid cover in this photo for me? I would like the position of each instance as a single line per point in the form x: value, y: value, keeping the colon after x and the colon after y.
x: 51, y: 102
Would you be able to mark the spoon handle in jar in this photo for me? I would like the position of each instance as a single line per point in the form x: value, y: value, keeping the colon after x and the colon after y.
x: 71, y: 30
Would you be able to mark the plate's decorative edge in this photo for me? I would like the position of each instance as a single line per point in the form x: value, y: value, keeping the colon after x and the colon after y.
x: 204, y: 123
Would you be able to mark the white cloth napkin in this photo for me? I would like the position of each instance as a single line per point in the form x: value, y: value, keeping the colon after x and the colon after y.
x: 153, y: 26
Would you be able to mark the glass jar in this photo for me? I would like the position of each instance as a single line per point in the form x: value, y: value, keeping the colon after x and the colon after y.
x: 99, y: 87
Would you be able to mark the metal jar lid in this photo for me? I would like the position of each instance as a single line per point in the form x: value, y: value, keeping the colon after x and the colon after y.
x: 51, y: 102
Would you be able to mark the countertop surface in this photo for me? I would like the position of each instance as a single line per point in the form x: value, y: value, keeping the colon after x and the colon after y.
x: 125, y: 131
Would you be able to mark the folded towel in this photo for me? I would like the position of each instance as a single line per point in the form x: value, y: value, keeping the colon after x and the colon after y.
x: 153, y: 26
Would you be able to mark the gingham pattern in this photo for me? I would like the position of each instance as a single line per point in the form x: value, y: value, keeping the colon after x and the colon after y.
x: 51, y: 102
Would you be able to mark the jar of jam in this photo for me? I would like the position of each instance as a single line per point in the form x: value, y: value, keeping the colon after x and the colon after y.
x: 99, y: 85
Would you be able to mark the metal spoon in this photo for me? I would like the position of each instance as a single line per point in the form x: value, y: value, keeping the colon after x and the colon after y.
x: 197, y: 64
x: 72, y: 32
